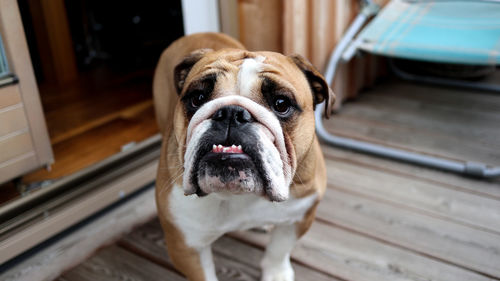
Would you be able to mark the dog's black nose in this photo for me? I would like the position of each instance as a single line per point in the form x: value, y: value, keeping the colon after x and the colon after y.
x: 233, y: 114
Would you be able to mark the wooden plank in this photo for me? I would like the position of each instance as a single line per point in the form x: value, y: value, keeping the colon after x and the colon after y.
x: 411, y: 139
x: 115, y: 263
x: 12, y: 119
x: 67, y: 131
x: 261, y: 24
x: 9, y: 95
x: 454, y: 243
x: 148, y: 242
x: 429, y: 198
x: 481, y: 187
x: 229, y: 18
x: 86, y: 149
x: 461, y: 99
x: 425, y: 117
x: 234, y: 260
x: 296, y: 27
x: 15, y: 146
x: 90, y: 102
x: 322, y: 32
x: 250, y: 257
x: 440, y: 121
x: 351, y: 256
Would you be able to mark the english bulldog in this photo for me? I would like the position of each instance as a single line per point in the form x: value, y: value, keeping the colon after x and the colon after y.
x: 239, y: 149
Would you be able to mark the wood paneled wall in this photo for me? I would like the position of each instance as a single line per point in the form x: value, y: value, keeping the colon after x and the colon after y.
x: 261, y: 24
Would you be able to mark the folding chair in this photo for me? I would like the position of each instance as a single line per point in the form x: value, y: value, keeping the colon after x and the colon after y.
x: 444, y: 31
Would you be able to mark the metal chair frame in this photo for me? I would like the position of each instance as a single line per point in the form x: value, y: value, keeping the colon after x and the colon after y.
x: 344, y: 51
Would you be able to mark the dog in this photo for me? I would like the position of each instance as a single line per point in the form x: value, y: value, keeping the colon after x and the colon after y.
x: 239, y: 149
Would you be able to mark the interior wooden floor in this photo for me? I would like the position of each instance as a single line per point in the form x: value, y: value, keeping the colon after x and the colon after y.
x: 90, y: 120
x: 380, y: 219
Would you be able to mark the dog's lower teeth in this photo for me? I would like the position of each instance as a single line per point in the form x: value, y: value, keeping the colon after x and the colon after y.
x: 227, y: 149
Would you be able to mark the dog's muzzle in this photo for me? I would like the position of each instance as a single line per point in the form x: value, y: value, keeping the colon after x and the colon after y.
x: 235, y: 145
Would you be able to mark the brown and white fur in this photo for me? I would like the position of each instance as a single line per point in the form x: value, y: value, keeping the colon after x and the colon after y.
x: 208, y: 89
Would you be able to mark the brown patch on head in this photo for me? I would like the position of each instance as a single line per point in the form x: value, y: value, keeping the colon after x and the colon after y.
x: 181, y: 71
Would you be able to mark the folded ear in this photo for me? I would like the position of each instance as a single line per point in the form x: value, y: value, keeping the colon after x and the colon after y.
x: 320, y: 89
x: 181, y: 71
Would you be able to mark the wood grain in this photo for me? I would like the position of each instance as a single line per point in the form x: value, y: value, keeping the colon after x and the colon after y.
x: 352, y: 256
x: 449, y: 123
x: 98, y: 143
x: 12, y: 119
x: 148, y: 241
x: 411, y: 139
x: 115, y: 263
x: 95, y: 99
x: 234, y: 260
x: 465, y: 246
x: 15, y: 146
x: 260, y: 24
x: 296, y: 27
x: 18, y: 166
x: 428, y: 118
x: 229, y: 18
x: 434, y: 199
x: 486, y: 188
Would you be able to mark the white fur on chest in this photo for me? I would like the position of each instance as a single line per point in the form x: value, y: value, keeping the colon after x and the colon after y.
x: 204, y: 219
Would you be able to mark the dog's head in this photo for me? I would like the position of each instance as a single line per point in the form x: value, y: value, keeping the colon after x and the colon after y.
x: 245, y: 119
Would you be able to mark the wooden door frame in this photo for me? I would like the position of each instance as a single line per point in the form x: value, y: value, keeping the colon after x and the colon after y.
x: 200, y: 16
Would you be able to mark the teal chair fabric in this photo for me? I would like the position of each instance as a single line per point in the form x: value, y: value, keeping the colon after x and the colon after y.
x: 464, y: 32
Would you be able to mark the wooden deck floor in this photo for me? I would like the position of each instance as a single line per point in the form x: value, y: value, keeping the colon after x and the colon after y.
x: 380, y: 219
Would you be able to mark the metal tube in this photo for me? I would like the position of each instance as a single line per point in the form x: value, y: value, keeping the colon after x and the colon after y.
x: 353, y: 29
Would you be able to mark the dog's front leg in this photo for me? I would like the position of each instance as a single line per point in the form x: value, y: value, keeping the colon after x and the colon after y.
x: 207, y: 263
x: 276, y: 264
x: 195, y: 263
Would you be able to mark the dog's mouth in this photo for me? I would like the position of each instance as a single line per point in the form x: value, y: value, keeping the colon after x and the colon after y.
x: 229, y: 169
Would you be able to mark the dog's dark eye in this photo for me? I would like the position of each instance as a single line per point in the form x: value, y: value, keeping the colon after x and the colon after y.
x: 281, y: 105
x: 198, y: 98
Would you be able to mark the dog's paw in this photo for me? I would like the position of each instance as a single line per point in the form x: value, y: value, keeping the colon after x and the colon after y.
x: 283, y: 272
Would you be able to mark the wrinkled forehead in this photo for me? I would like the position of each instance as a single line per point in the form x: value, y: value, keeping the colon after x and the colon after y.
x: 246, y: 70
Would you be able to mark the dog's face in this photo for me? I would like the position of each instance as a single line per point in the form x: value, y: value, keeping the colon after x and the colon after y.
x: 246, y: 119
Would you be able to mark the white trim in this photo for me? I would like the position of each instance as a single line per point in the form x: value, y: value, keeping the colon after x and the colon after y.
x: 200, y: 16
x: 70, y: 250
x: 82, y: 208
